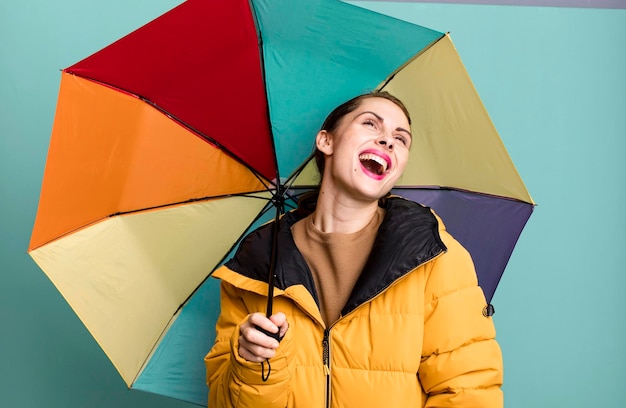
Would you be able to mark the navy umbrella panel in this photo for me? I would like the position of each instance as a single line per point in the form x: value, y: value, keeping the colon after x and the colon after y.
x: 487, y: 226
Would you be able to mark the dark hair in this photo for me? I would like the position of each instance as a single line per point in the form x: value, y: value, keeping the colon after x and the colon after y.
x: 334, y: 118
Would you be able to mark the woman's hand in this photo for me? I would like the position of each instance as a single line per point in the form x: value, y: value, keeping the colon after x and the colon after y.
x: 254, y: 345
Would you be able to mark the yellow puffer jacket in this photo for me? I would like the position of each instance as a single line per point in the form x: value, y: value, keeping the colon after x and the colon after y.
x: 412, y: 334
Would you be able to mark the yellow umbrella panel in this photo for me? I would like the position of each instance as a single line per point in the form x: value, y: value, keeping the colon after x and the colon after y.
x: 458, y: 164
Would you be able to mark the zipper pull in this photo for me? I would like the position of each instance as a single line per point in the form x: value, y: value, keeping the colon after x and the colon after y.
x: 326, y: 352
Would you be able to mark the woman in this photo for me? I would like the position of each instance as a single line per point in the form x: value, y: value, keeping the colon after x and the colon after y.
x: 377, y: 304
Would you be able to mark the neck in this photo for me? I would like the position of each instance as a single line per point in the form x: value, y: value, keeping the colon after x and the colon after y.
x: 341, y: 214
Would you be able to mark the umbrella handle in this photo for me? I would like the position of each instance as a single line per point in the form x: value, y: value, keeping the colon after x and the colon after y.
x: 275, y: 336
x: 278, y: 338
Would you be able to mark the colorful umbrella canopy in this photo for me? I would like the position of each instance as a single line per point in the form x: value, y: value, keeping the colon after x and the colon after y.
x: 166, y: 146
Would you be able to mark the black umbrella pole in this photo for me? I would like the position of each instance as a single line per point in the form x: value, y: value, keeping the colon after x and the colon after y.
x: 272, y: 277
x: 272, y: 271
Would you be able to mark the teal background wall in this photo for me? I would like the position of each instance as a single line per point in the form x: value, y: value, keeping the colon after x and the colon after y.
x: 554, y: 82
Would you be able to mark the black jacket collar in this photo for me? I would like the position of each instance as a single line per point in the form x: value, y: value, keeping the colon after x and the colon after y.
x: 407, y: 238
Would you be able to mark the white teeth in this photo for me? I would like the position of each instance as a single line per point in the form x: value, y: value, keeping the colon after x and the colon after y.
x: 377, y: 159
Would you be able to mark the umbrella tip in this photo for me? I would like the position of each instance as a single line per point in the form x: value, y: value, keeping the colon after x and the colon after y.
x: 489, y: 310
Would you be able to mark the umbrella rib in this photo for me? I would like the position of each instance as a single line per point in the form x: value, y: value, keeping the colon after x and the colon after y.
x: 210, y: 139
x: 463, y: 190
x: 182, y: 123
x: 409, y: 61
x: 297, y: 172
x: 267, y: 102
x: 193, y: 200
x: 226, y: 254
x: 120, y: 213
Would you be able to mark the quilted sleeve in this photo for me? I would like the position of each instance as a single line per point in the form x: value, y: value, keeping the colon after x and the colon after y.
x: 461, y: 360
x: 233, y: 381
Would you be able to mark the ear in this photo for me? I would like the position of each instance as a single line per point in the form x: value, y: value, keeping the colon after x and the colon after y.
x: 324, y: 142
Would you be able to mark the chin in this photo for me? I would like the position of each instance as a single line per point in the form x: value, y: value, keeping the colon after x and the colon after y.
x: 374, y: 195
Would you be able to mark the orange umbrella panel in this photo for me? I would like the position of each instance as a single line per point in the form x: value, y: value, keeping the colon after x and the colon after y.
x: 111, y: 153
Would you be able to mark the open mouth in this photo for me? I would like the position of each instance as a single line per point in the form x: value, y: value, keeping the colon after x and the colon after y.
x: 374, y: 163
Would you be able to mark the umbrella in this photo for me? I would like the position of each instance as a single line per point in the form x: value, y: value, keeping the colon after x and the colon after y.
x: 174, y: 141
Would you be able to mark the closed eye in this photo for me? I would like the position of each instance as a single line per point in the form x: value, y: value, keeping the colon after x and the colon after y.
x: 370, y: 123
x: 402, y: 139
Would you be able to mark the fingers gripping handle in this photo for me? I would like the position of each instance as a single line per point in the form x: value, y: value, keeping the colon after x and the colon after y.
x: 278, y: 338
x: 275, y: 336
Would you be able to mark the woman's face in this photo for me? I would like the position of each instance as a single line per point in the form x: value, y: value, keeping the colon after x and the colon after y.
x: 368, y: 151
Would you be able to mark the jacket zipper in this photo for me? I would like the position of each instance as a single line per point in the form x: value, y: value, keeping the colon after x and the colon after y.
x: 326, y: 339
x: 326, y: 361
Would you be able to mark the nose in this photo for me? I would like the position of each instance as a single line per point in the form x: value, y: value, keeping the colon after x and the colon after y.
x: 385, y: 141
